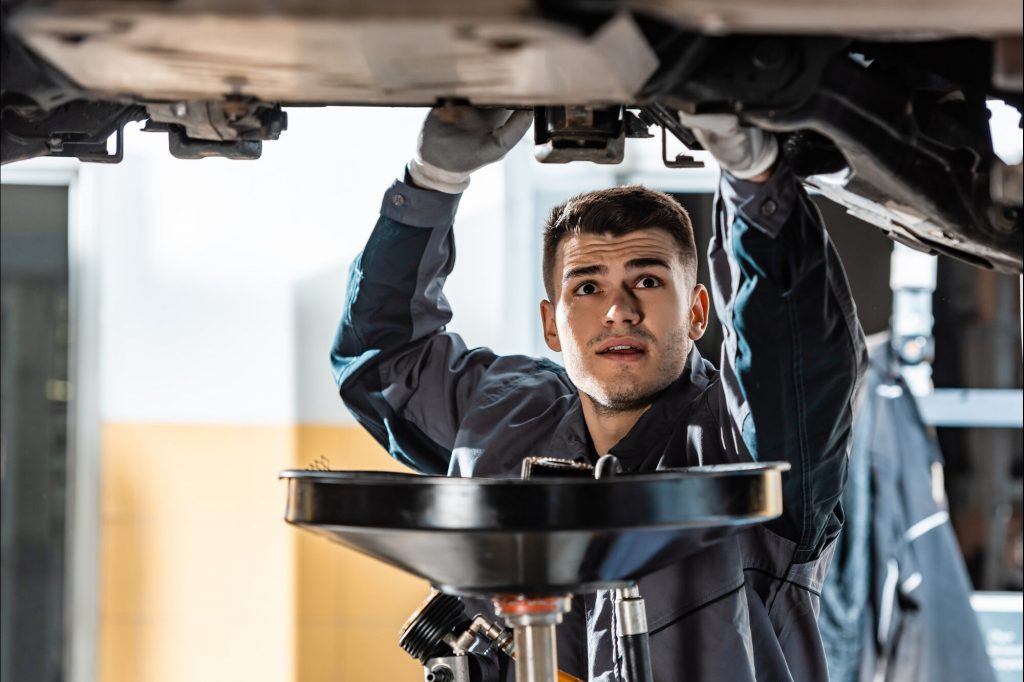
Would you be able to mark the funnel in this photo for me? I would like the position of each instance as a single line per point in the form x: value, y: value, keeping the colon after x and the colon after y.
x: 473, y: 536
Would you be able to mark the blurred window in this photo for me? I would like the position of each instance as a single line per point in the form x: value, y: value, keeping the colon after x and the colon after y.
x: 33, y: 442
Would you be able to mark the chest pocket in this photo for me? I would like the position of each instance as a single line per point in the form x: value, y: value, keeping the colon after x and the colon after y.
x: 679, y: 589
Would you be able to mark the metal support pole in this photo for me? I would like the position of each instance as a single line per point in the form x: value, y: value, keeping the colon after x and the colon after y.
x: 533, y: 621
x: 912, y: 280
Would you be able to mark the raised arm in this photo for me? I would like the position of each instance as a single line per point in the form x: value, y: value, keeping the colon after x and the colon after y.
x: 403, y: 378
x: 794, y: 350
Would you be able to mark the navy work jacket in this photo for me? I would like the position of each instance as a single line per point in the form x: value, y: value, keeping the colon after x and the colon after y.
x: 741, y: 608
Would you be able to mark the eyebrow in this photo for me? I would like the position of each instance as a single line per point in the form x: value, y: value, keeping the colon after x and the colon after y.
x: 634, y: 264
x: 640, y: 263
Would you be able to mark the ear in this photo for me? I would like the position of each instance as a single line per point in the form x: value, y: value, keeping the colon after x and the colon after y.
x: 698, y: 312
x: 547, y: 319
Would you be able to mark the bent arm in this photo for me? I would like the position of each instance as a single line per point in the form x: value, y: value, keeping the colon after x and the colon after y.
x: 794, y: 350
x: 404, y: 379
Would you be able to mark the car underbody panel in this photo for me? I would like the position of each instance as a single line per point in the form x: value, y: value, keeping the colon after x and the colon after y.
x: 880, y: 105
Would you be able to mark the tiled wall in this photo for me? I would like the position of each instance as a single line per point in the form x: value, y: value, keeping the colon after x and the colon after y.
x: 203, y: 580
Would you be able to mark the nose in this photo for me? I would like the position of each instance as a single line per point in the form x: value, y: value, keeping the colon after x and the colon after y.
x: 623, y: 308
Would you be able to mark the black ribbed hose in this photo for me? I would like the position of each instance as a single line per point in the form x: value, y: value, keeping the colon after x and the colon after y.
x: 636, y: 658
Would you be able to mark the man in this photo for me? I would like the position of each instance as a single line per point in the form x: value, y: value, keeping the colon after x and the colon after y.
x: 624, y: 309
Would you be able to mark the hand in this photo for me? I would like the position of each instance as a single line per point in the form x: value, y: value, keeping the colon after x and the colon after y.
x: 746, y: 152
x: 455, y: 141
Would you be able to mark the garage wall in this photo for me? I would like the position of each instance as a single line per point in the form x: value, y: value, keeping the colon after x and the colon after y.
x: 221, y: 284
x: 203, y: 581
x: 223, y: 280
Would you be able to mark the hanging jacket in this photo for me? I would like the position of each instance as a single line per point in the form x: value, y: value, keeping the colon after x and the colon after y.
x: 743, y: 605
x: 896, y: 605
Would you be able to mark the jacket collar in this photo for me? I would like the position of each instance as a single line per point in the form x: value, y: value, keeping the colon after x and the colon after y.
x: 652, y: 429
x: 570, y: 439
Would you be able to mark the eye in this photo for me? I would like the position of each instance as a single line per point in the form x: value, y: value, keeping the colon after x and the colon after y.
x: 585, y: 289
x: 648, y: 282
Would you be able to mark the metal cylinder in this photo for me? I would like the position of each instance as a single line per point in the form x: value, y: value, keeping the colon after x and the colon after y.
x: 533, y: 620
x: 634, y: 643
x: 537, y: 658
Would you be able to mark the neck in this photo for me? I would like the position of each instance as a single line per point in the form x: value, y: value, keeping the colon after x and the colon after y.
x: 608, y: 427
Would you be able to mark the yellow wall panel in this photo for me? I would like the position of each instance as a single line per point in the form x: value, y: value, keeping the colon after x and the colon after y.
x: 119, y: 648
x: 349, y: 607
x: 202, y: 579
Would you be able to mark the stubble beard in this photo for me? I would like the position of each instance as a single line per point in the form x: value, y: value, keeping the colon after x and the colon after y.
x: 626, y: 394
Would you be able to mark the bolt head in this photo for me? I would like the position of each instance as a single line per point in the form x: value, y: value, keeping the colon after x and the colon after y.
x: 769, y: 54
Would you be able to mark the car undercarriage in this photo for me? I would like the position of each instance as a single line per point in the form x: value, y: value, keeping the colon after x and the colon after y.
x: 882, y: 107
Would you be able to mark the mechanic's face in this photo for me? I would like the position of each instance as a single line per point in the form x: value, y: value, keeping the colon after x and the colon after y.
x: 625, y: 315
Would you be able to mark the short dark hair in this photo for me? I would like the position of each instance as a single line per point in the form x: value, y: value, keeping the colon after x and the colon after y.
x: 617, y: 211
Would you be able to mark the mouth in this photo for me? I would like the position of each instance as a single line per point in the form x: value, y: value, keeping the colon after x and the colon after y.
x: 622, y: 350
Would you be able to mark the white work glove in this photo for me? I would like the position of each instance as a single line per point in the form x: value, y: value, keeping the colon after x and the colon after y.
x: 744, y: 151
x: 455, y: 141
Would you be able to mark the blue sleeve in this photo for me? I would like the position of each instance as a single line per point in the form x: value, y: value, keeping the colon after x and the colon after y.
x: 793, y: 352
x: 405, y: 380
